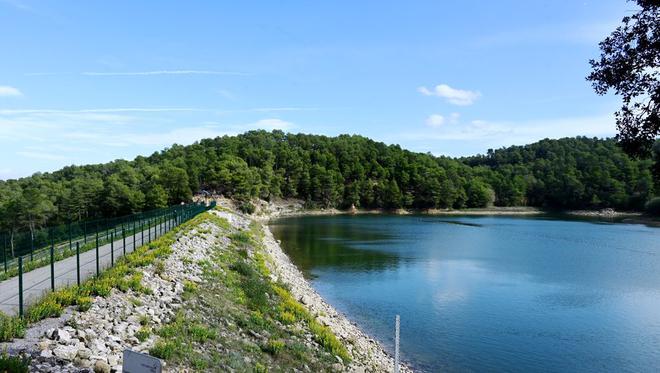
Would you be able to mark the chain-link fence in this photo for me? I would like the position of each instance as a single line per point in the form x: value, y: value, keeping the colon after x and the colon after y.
x: 95, y: 245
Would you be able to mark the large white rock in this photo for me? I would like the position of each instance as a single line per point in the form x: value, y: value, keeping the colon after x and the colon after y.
x: 62, y: 336
x: 67, y: 352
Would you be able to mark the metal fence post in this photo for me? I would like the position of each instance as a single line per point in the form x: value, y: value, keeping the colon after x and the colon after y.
x: 20, y: 286
x: 85, y: 232
x: 52, y: 266
x: 70, y: 244
x: 396, y: 345
x: 123, y: 238
x: 78, y: 263
x: 112, y: 249
x: 141, y: 233
x: 4, y: 251
x: 149, y: 227
x: 98, y: 271
x: 134, y: 235
x: 31, y: 246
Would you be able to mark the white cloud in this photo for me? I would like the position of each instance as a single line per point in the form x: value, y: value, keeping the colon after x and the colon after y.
x: 267, y: 109
x: 41, y: 155
x: 7, y: 91
x: 165, y: 72
x: 106, y: 110
x: 568, y: 33
x: 452, y: 95
x: 272, y: 124
x: 229, y: 95
x: 493, y: 134
x: 16, y: 4
x: 435, y: 120
x: 47, y: 139
x: 8, y: 173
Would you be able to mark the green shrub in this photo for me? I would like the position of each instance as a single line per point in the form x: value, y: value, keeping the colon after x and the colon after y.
x: 246, y: 207
x: 42, y: 310
x: 189, y: 286
x: 143, y: 334
x: 241, y: 238
x: 144, y: 320
x: 168, y: 331
x: 243, y: 268
x: 67, y: 296
x: 653, y: 206
x: 84, y: 303
x: 159, y: 267
x: 11, y: 327
x: 274, y: 346
x: 287, y: 317
x: 324, y: 336
x: 163, y: 350
x: 136, y: 302
x: 14, y: 364
x: 255, y: 289
x: 101, y: 286
x: 201, y: 333
x: 135, y: 283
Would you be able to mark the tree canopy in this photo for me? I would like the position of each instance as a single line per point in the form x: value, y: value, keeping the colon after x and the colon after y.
x: 338, y: 172
x: 630, y: 65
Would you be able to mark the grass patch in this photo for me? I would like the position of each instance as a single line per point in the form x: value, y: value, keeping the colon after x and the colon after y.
x: 241, y: 238
x: 159, y: 267
x: 11, y: 327
x: 163, y: 350
x: 45, y: 309
x: 143, y: 334
x: 189, y: 287
x: 136, y: 302
x: 274, y: 346
x: 263, y: 326
x: 144, y: 320
x: 14, y: 364
x: 292, y: 311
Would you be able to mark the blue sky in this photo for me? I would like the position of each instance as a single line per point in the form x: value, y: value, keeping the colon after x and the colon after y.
x: 90, y: 81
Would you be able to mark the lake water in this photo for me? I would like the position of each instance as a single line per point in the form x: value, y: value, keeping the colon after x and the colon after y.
x: 490, y: 293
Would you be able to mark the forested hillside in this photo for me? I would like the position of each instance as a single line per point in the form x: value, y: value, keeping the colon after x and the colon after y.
x: 333, y: 171
x: 568, y: 173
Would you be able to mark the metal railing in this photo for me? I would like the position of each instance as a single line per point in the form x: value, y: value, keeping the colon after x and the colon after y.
x: 35, y: 246
x: 50, y: 246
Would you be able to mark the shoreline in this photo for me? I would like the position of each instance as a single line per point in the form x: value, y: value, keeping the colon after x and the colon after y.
x: 280, y: 208
x: 95, y: 338
x: 368, y: 354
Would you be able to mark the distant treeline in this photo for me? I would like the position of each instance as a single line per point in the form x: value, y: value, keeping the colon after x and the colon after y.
x: 571, y: 173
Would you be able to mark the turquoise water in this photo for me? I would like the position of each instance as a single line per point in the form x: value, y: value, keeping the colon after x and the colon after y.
x: 490, y: 293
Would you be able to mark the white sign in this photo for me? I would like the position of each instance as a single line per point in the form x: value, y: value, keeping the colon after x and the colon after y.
x: 135, y: 362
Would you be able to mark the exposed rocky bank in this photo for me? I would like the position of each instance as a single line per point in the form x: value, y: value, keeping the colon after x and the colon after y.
x: 94, y: 340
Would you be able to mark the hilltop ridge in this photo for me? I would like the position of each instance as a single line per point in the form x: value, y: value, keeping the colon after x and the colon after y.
x: 335, y: 172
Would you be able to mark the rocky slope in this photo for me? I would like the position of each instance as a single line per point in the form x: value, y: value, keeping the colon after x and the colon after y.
x: 225, y: 298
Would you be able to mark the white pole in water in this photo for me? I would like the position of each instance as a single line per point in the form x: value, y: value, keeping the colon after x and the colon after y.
x: 396, y: 345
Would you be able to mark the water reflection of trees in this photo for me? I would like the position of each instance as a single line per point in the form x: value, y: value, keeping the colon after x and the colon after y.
x: 313, y: 243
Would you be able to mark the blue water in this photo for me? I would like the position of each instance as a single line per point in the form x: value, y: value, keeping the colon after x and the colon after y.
x: 491, y: 293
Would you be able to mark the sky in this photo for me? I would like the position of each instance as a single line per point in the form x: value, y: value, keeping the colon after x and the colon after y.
x: 92, y: 81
